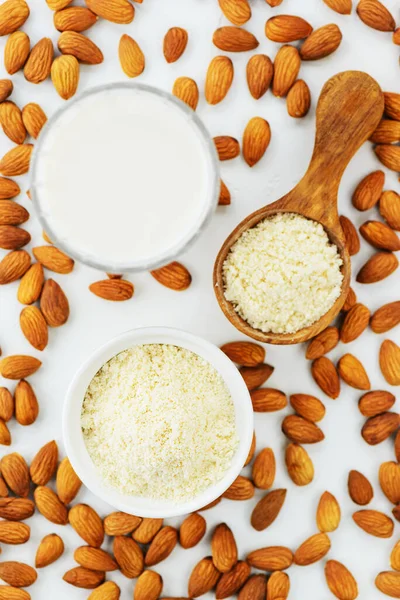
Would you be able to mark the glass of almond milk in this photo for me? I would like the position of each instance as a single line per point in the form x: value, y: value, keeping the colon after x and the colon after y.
x: 124, y: 177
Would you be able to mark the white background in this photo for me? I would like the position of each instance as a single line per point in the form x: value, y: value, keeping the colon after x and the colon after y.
x: 93, y: 321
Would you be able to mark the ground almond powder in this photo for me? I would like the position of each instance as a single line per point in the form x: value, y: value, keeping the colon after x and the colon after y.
x: 283, y: 274
x: 158, y: 421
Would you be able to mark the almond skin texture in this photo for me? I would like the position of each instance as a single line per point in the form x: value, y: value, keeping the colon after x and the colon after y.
x: 299, y: 465
x: 148, y: 586
x: 246, y: 354
x: 50, y: 506
x: 120, y: 523
x: 13, y: 238
x: 227, y: 147
x: 117, y: 11
x: 16, y: 51
x: 19, y: 366
x: 186, y: 90
x: 387, y: 132
x: 218, y: 79
x: 234, y: 39
x: 231, y: 582
x: 6, y: 404
x: 388, y: 582
x: 380, y: 236
x: 386, y: 317
x: 94, y: 559
x: 298, y: 100
x: 322, y: 42
x: 368, y: 191
x: 74, y: 18
x: 13, y: 14
x: 395, y: 557
x: 259, y: 73
x: 272, y: 558
x: 378, y: 267
x: 389, y: 208
x: 5, y: 435
x: 374, y: 522
x: 355, y: 322
x: 6, y: 88
x: 16, y: 161
x: 67, y: 482
x: 161, y: 546
x: 237, y: 12
x: 53, y: 259
x: 44, y: 464
x: 14, y: 534
x: 256, y: 139
x: 389, y: 156
x: 353, y: 373
x: 308, y: 407
x: 34, y: 327
x: 389, y: 362
x: 287, y: 28
x: 33, y: 118
x: 374, y: 14
x: 12, y: 213
x: 107, y: 591
x: 87, y: 524
x: 389, y: 479
x: 301, y: 431
x: 129, y: 556
x: 17, y: 574
x: 267, y: 509
x: 8, y: 187
x: 50, y: 549
x: 58, y: 4
x: 203, y: 578
x: 312, y: 550
x: 31, y: 285
x: 376, y: 402
x: 392, y: 105
x: 54, y: 304
x: 174, y: 45
x: 340, y: 581
x: 116, y: 290
x: 360, y: 489
x: 328, y: 513
x: 223, y: 548
x: 379, y: 428
x: 254, y: 588
x: 192, y: 530
x: 343, y: 7
x: 351, y: 235
x: 174, y: 276
x: 81, y: 47
x: 278, y: 586
x: 84, y: 578
x: 323, y: 343
x: 264, y: 469
x: 26, y: 404
x: 131, y: 56
x: 286, y: 68
x: 65, y: 75
x: 350, y: 301
x: 147, y: 530
x: 16, y: 509
x: 241, y: 489
x: 37, y: 67
x: 256, y: 376
x: 268, y: 400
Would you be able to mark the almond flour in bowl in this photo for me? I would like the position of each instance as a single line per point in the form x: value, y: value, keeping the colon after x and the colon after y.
x: 283, y: 274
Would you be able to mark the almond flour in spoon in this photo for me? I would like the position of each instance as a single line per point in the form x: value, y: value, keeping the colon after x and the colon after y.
x: 283, y: 274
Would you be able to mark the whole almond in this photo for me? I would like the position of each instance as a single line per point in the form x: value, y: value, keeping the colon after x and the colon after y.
x: 34, y: 327
x: 120, y: 523
x: 237, y: 12
x: 223, y: 548
x: 387, y: 132
x: 106, y: 591
x: 389, y: 361
x: 374, y: 14
x: 254, y: 588
x: 378, y: 267
x: 15, y: 473
x: 308, y: 407
x: 368, y: 191
x: 94, y: 559
x: 13, y: 238
x: 37, y: 67
x: 17, y: 574
x: 129, y: 556
x: 322, y: 42
x: 16, y: 509
x: 16, y: 161
x: 259, y: 73
x: 175, y: 42
x: 12, y: 213
x: 6, y: 88
x: 267, y: 509
x: 26, y: 404
x: 54, y: 304
x: 65, y: 75
x: 148, y: 586
x: 312, y: 550
x: 161, y: 546
x: 231, y: 582
x: 374, y: 522
x: 174, y: 276
x: 227, y: 147
x: 299, y: 465
x: 376, y: 402
x: 234, y: 39
x: 252, y: 450
x: 84, y: 578
x: 353, y: 373
x: 388, y: 582
x: 116, y: 290
x: 355, y: 322
x: 13, y: 266
x: 389, y: 155
x: 50, y: 506
x: 287, y: 28
x: 350, y: 301
x: 74, y: 18
x: 256, y: 376
x: 13, y: 14
x: 389, y: 479
x: 246, y: 354
x: 323, y: 343
x: 67, y: 482
x: 31, y: 284
x: 395, y: 557
x: 82, y: 48
x: 286, y: 68
x: 392, y: 105
x: 19, y: 366
x: 340, y: 581
x: 6, y: 404
x: 241, y: 489
x: 203, y: 578
x: 360, y: 489
x: 300, y: 430
x: 272, y: 558
x: 50, y: 549
x: 117, y: 11
x: 379, y: 428
x: 298, y: 100
x: 268, y: 400
x: 14, y: 534
x: 386, y: 317
x: 147, y: 530
x: 380, y: 236
x: 256, y: 139
x: 186, y: 90
x: 389, y: 208
x: 328, y: 513
x: 278, y: 586
x: 8, y: 187
x: 192, y: 530
x: 351, y: 235
x: 264, y: 469
x: 343, y: 7
x: 16, y: 51
x: 218, y: 79
x: 87, y: 524
x: 44, y: 464
x: 131, y: 56
x: 33, y: 118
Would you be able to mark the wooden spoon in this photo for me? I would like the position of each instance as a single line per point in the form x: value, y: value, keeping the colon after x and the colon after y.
x: 349, y: 109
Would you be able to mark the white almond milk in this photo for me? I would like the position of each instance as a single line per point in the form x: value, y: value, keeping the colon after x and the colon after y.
x: 124, y: 177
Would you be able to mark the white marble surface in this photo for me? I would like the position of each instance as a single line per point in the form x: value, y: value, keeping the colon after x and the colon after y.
x: 94, y: 321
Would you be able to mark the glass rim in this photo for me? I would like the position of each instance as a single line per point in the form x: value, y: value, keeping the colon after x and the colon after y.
x: 174, y: 251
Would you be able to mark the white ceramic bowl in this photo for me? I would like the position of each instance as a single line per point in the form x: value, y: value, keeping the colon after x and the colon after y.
x: 75, y: 445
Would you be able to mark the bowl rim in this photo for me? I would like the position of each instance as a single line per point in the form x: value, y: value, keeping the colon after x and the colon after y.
x: 73, y: 439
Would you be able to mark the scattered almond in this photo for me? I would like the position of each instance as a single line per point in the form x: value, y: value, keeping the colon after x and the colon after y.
x: 322, y: 42
x: 380, y: 236
x: 326, y: 376
x: 116, y: 290
x: 50, y: 506
x: 148, y: 586
x: 323, y: 343
x: 87, y: 525
x: 286, y: 68
x: 368, y: 191
x: 378, y: 267
x: 267, y: 509
x: 360, y: 489
x: 308, y: 407
x: 50, y: 549
x: 237, y: 12
x: 203, y: 578
x: 395, y: 557
x: 8, y: 187
x: 34, y: 327
x: 268, y: 400
x: 13, y: 238
x: 374, y: 522
x: 16, y: 161
x: 351, y: 235
x: 94, y: 559
x: 13, y: 266
x: 17, y: 574
x: 16, y: 509
x: 386, y: 317
x: 175, y: 42
x: 299, y: 465
x: 355, y: 322
x: 328, y: 513
x: 379, y: 428
x: 116, y: 11
x: 44, y: 464
x: 67, y: 482
x: 58, y: 4
x: 16, y: 51
x: 350, y: 301
x: 120, y: 523
x: 374, y: 14
x: 353, y: 373
x: 19, y: 366
x: 161, y: 546
x: 387, y: 132
x: 74, y: 18
x: 300, y: 430
x: 218, y: 79
x: 15, y: 473
x: 65, y: 75
x: 246, y: 354
x: 389, y: 208
x: 31, y: 284
x: 389, y: 479
x: 256, y: 139
x: 26, y: 404
x: 192, y: 530
x: 389, y: 362
x: 278, y: 586
x: 264, y: 469
x: 84, y: 578
x: 298, y: 100
x: 131, y: 56
x: 234, y: 39
x: 14, y: 534
x: 340, y: 581
x: 259, y: 73
x: 241, y: 489
x: 272, y: 558
x: 6, y: 88
x: 13, y: 14
x: 106, y: 591
x: 254, y: 377
x: 227, y: 147
x: 376, y: 402
x: 54, y: 304
x: 343, y: 7
x: 6, y: 404
x: 186, y: 90
x: 147, y: 530
x: 231, y: 582
x: 12, y: 213
x: 5, y: 435
x: 287, y: 28
x: 312, y: 550
x: 37, y: 67
x: 129, y: 556
x: 388, y: 582
x: 389, y: 155
x: 174, y: 276
x: 223, y: 548
x: 254, y: 588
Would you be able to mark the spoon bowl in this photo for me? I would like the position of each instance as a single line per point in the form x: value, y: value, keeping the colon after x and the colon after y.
x: 349, y: 109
